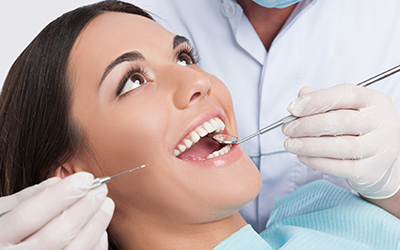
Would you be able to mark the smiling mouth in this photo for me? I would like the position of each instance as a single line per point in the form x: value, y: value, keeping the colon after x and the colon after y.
x: 199, y: 146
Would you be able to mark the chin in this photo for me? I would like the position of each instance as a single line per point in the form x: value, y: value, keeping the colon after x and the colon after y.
x: 250, y: 182
x: 241, y: 184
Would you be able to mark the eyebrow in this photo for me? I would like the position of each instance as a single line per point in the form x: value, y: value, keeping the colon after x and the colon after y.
x: 137, y: 56
x: 178, y: 40
x: 129, y: 56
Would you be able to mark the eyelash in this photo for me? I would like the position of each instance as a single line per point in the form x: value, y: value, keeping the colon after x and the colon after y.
x: 135, y: 70
x: 191, y: 52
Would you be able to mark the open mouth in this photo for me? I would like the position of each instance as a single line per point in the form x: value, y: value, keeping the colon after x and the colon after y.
x: 199, y: 146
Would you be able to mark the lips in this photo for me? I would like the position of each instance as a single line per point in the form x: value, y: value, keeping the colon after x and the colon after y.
x: 199, y: 146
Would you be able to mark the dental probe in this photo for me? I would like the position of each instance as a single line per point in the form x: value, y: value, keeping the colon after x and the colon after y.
x: 102, y: 180
x: 230, y: 139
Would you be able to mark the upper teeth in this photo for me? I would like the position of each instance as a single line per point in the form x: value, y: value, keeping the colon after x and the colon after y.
x: 213, y: 125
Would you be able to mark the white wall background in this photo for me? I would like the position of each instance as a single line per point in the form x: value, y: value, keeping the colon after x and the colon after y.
x: 21, y: 21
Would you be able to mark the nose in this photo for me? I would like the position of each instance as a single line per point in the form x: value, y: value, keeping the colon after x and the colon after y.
x: 191, y: 86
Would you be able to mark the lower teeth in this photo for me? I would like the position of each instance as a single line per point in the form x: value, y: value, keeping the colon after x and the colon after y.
x: 220, y: 152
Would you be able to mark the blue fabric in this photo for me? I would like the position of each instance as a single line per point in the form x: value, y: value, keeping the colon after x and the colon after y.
x: 321, y: 215
x: 245, y: 238
x: 276, y: 3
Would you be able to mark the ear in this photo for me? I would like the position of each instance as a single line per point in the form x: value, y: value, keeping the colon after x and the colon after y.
x: 67, y: 169
x: 62, y: 172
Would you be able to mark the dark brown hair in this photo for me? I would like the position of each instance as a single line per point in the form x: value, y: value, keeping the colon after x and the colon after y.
x: 37, y: 132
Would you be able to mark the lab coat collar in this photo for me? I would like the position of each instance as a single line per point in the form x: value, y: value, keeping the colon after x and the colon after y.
x: 298, y: 11
x: 244, y: 32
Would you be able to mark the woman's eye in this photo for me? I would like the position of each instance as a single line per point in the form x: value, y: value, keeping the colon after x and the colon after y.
x: 132, y: 83
x: 185, y: 60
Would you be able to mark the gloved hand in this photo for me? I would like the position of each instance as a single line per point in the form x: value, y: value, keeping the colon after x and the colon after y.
x: 348, y: 131
x: 57, y: 214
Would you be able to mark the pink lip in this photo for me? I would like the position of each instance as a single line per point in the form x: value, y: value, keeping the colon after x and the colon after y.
x: 234, y: 154
x: 215, y: 112
x: 236, y: 151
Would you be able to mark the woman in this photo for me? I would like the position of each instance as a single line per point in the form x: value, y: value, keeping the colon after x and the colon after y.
x: 115, y: 91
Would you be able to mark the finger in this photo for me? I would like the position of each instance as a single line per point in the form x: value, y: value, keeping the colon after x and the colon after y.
x: 103, y: 242
x: 61, y: 231
x: 339, y: 122
x: 363, y: 170
x: 336, y: 167
x: 29, y: 192
x: 343, y: 96
x: 35, y: 212
x: 341, y: 147
x: 306, y: 90
x: 91, y: 234
x: 8, y: 203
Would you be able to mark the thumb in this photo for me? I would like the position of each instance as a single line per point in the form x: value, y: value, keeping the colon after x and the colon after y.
x: 306, y: 90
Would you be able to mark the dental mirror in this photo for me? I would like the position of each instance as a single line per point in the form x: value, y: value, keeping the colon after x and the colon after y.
x: 230, y: 139
x: 225, y: 139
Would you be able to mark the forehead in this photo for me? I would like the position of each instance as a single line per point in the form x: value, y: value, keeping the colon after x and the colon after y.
x: 111, y: 34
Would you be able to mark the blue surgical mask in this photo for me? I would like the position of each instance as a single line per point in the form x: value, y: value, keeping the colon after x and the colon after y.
x: 276, y: 3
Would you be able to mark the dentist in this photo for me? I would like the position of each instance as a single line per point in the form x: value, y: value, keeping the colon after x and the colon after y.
x: 266, y: 51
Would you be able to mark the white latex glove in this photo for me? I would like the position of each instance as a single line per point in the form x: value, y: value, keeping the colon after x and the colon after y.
x: 351, y: 132
x: 57, y: 214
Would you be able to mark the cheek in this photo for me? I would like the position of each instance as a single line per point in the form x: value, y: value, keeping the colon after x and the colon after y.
x: 127, y: 137
x: 222, y: 95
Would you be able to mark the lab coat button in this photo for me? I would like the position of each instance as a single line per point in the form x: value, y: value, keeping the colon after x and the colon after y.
x: 228, y: 9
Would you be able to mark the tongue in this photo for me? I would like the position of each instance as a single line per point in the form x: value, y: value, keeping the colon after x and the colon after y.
x: 200, y: 150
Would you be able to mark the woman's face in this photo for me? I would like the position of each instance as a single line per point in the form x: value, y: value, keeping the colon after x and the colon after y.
x: 141, y: 99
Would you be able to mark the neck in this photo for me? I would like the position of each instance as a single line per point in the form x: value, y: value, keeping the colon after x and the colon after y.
x: 145, y: 232
x: 267, y: 22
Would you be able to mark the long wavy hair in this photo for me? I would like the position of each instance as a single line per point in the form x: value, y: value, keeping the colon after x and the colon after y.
x: 37, y: 132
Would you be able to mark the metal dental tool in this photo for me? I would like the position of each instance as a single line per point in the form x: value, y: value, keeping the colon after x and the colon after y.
x: 230, y: 139
x: 102, y: 180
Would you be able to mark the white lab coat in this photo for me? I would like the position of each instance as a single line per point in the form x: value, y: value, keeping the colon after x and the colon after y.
x: 323, y: 43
